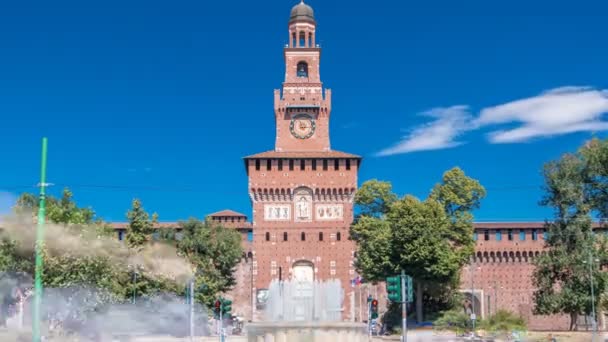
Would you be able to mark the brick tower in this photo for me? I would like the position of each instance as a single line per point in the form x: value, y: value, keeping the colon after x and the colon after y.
x: 302, y: 191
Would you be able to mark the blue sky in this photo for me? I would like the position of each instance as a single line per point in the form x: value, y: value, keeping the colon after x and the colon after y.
x: 161, y: 100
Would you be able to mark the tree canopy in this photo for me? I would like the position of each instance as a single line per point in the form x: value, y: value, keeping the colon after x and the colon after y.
x: 575, y: 187
x: 430, y: 239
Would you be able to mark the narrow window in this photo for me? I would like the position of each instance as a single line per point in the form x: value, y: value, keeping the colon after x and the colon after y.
x: 310, y: 39
x: 338, y: 236
x: 336, y: 164
x: 267, y: 236
x: 293, y: 39
x: 534, y: 235
x: 486, y: 235
x: 321, y: 236
x: 257, y: 165
x: 510, y: 234
x: 324, y: 164
x: 250, y: 235
x: 121, y: 235
x: 268, y: 164
x: 545, y: 235
x: 498, y: 235
x: 348, y: 164
x: 474, y: 236
x: 302, y: 69
x: 303, y: 236
x: 280, y: 164
x: 522, y: 235
x: 285, y: 236
x: 302, y: 164
x: 314, y: 164
x: 290, y: 165
x: 302, y: 39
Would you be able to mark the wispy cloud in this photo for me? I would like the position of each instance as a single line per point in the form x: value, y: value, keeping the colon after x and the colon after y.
x: 441, y: 133
x: 554, y: 112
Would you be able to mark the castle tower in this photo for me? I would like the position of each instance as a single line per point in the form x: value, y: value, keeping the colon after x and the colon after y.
x: 302, y: 191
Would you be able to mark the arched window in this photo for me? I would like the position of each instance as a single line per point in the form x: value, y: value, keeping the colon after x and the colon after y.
x: 293, y: 39
x: 310, y: 39
x: 302, y: 69
x: 302, y: 39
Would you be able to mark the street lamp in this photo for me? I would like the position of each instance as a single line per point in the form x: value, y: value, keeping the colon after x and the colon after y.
x: 473, y: 317
x: 594, y: 322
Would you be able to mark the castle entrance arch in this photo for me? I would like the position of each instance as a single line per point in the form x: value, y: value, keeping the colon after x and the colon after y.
x: 303, y: 289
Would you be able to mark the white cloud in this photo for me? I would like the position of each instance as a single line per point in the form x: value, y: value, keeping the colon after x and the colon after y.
x: 554, y: 112
x: 441, y: 133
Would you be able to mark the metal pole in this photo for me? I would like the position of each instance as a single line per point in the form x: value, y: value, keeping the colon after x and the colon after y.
x: 369, y: 317
x: 221, y: 324
x: 592, y: 298
x: 39, y: 242
x: 192, y: 310
x: 473, y: 317
x: 134, y: 286
x: 403, y: 308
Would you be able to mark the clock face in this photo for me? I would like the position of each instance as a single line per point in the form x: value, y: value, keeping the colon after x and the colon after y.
x: 302, y: 126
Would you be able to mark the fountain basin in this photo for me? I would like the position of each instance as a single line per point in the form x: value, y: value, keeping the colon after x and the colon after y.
x: 306, y: 332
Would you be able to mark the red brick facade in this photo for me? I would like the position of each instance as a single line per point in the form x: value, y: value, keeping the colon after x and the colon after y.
x: 302, y: 199
x: 302, y: 191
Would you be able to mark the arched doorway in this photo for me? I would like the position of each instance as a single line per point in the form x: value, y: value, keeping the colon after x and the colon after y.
x: 472, y: 304
x: 303, y: 289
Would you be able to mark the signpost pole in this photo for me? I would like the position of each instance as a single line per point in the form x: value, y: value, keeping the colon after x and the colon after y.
x: 403, y: 308
x: 39, y: 241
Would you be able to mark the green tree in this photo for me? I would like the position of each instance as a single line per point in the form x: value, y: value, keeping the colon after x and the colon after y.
x: 431, y: 240
x: 574, y: 188
x: 214, y: 251
x: 374, y: 198
x: 140, y: 226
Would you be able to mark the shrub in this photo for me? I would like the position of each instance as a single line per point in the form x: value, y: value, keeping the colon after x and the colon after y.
x: 504, y: 322
x: 455, y: 320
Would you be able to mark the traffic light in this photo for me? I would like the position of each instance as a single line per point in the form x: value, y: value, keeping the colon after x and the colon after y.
x: 393, y: 287
x: 374, y: 309
x: 226, y: 307
x: 217, y: 306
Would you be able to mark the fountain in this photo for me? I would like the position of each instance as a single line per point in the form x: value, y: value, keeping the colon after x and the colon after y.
x: 305, y: 311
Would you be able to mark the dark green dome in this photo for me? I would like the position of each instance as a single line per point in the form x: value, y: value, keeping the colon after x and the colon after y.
x: 302, y: 12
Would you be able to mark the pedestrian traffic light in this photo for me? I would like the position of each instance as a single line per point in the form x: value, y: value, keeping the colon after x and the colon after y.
x: 393, y: 287
x: 226, y: 307
x: 374, y: 309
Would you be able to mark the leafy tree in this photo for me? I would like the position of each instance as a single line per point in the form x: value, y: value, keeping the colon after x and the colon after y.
x: 374, y: 198
x: 430, y: 239
x: 575, y: 187
x: 67, y: 274
x: 140, y: 226
x: 214, y: 251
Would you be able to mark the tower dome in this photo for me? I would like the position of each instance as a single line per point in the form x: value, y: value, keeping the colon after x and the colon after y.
x: 302, y: 12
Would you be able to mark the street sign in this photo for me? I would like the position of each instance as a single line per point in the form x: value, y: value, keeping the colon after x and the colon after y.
x: 473, y: 317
